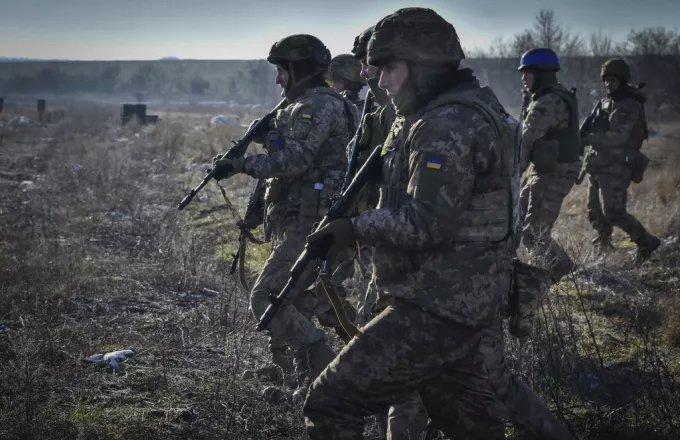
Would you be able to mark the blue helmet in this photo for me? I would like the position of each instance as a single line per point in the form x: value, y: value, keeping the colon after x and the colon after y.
x: 541, y: 59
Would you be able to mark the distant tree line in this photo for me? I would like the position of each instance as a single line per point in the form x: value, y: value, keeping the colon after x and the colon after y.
x: 252, y: 82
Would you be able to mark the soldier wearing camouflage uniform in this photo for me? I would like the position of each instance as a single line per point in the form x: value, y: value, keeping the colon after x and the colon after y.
x: 443, y: 234
x: 407, y: 419
x: 304, y: 166
x: 344, y: 76
x: 551, y: 144
x: 616, y: 136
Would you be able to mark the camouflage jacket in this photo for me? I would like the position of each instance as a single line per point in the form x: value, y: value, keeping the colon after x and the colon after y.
x: 546, y: 113
x: 375, y: 128
x: 306, y: 153
x: 435, y: 163
x: 358, y: 105
x: 626, y: 120
x: 622, y: 130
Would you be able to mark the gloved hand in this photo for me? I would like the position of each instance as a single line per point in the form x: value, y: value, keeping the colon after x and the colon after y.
x: 337, y: 236
x: 225, y: 168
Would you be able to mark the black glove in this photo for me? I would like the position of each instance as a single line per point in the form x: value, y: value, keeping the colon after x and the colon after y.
x: 336, y: 236
x: 225, y: 168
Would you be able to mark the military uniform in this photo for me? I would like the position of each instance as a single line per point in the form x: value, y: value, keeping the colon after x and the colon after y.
x: 304, y: 167
x: 345, y: 69
x: 550, y: 136
x: 614, y: 161
x: 425, y: 339
x: 443, y: 234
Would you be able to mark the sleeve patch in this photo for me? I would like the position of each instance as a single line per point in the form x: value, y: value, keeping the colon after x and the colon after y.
x: 306, y: 114
x: 434, y: 163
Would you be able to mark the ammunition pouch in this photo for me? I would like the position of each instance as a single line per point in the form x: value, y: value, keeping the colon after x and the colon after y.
x: 529, y: 286
x: 545, y: 155
x: 638, y: 164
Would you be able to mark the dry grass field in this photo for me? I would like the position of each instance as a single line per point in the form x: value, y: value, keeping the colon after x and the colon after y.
x: 95, y: 257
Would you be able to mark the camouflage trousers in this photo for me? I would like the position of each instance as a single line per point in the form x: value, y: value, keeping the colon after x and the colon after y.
x: 460, y: 374
x: 290, y: 325
x: 614, y: 191
x: 402, y: 352
x: 518, y: 404
x: 541, y: 200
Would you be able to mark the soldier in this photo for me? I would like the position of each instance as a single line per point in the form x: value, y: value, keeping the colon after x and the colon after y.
x: 550, y: 136
x: 407, y: 419
x: 344, y: 76
x: 616, y: 136
x: 304, y: 166
x: 443, y: 232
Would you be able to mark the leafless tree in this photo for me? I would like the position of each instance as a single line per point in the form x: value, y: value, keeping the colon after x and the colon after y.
x: 522, y: 42
x: 652, y: 41
x: 499, y: 48
x: 600, y: 44
x: 547, y: 32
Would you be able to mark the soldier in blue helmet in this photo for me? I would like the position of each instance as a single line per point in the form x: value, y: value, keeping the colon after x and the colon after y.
x: 551, y: 152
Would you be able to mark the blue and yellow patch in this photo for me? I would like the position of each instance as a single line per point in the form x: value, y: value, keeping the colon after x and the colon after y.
x: 306, y: 114
x: 434, y: 163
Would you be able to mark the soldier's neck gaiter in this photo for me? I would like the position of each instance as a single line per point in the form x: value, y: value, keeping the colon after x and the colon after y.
x: 424, y: 83
x: 310, y: 82
x: 379, y: 94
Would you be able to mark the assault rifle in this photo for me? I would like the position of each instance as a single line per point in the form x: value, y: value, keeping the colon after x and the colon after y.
x: 318, y: 251
x: 238, y: 150
x: 594, y: 122
x: 354, y: 149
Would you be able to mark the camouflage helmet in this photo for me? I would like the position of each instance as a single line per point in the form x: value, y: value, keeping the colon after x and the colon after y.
x: 300, y: 47
x: 616, y: 67
x: 345, y: 68
x: 360, y: 44
x: 415, y: 34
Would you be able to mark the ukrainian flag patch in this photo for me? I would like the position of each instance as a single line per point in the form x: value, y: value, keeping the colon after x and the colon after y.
x: 306, y: 114
x: 434, y: 163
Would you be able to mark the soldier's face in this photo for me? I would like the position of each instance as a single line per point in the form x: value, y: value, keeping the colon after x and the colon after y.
x: 528, y: 77
x: 368, y: 71
x: 611, y: 83
x: 393, y: 76
x: 281, y: 77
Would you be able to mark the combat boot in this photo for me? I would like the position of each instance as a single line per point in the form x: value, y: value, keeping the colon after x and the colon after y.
x: 310, y: 363
x: 646, y: 248
x: 563, y: 265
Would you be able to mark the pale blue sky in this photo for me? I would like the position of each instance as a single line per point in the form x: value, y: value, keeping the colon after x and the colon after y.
x: 230, y: 29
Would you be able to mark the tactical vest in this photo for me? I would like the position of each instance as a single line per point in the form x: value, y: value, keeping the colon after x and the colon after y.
x: 493, y: 213
x: 312, y: 190
x: 569, y: 137
x: 640, y: 130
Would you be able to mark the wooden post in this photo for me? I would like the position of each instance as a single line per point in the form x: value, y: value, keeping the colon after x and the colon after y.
x: 42, y: 104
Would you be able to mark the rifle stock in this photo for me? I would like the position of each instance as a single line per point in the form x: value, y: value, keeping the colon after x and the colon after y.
x: 310, y: 253
x: 238, y: 150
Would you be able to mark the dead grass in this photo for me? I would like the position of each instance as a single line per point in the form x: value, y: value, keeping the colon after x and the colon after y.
x: 95, y: 257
